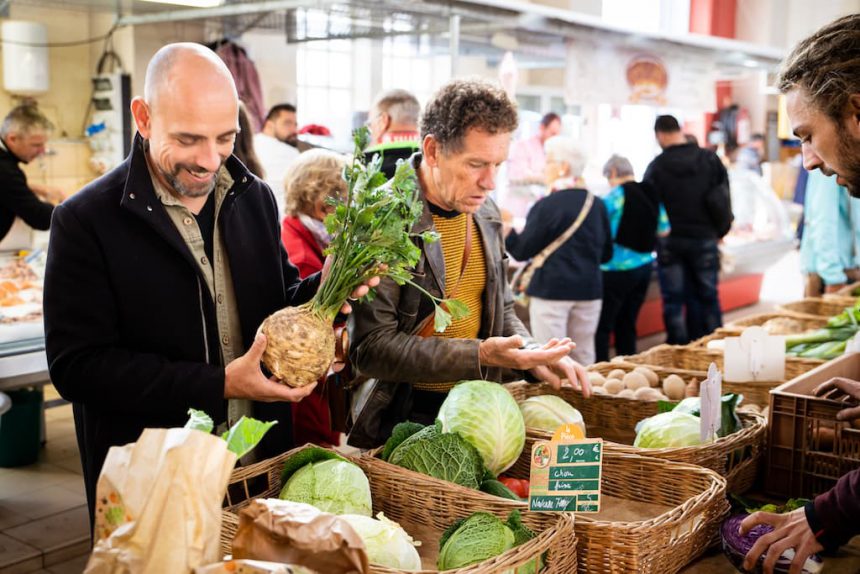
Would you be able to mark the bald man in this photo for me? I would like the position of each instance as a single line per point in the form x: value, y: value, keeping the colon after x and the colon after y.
x: 160, y: 272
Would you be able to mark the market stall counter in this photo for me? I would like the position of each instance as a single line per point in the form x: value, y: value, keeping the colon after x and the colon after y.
x: 23, y: 363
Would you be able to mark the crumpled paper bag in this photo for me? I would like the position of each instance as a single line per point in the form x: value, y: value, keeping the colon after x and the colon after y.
x: 158, y: 503
x: 296, y: 533
x: 251, y: 567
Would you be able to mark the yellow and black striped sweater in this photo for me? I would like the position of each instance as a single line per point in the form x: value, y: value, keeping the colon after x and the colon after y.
x: 470, y: 289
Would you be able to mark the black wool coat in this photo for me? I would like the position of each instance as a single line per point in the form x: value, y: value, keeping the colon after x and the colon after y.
x: 131, y: 331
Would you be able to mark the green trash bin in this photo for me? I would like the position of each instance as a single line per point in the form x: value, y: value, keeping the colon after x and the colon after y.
x: 20, y: 429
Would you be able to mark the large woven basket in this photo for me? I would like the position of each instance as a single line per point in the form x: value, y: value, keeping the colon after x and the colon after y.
x: 806, y: 322
x: 694, y: 362
x: 735, y: 457
x: 658, y: 544
x: 734, y: 329
x: 424, y: 507
x: 718, y: 334
x: 609, y: 413
x: 663, y: 543
x: 847, y: 291
x: 818, y: 306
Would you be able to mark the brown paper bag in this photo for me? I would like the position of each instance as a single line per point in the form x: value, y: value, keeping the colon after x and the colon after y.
x: 295, y: 533
x: 251, y: 567
x: 158, y: 503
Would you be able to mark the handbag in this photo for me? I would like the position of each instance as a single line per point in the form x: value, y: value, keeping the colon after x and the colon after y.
x: 523, y: 276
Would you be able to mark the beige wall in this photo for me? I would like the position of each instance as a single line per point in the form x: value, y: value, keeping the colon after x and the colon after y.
x: 149, y: 38
x: 276, y: 65
x: 70, y: 69
x: 66, y: 101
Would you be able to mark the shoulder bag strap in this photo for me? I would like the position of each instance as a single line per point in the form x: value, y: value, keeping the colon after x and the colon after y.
x: 539, y: 259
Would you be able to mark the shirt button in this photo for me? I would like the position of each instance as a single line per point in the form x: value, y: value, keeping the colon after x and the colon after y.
x: 220, y: 298
x: 204, y: 260
x: 187, y: 221
x: 225, y: 339
x: 132, y: 196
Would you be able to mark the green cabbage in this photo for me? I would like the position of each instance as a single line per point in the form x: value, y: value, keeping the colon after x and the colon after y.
x: 729, y: 420
x: 672, y: 429
x: 400, y: 433
x: 475, y: 539
x: 482, y: 536
x: 335, y: 485
x: 548, y: 412
x: 446, y: 456
x: 385, y: 541
x: 487, y: 416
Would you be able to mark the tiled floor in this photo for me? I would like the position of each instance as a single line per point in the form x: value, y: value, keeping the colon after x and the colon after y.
x: 43, y: 512
x: 43, y: 516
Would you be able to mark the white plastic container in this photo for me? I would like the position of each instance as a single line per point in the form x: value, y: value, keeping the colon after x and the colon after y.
x: 25, y: 65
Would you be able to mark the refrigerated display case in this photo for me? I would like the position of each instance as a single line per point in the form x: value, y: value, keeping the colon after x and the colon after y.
x: 22, y: 336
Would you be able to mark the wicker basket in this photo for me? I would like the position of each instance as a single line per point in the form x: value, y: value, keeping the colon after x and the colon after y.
x: 717, y: 335
x: 735, y: 457
x: 735, y: 329
x: 806, y: 322
x: 662, y: 543
x: 694, y: 362
x: 847, y: 291
x: 819, y: 307
x: 658, y: 544
x: 424, y: 507
x: 608, y: 413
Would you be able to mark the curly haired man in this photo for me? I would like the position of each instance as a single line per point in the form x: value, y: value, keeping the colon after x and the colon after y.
x: 466, y: 132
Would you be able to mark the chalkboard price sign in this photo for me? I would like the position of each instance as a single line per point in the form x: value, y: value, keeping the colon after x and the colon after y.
x: 565, y: 475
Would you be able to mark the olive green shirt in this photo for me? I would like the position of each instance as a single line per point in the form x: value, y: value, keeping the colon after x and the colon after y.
x: 219, y: 281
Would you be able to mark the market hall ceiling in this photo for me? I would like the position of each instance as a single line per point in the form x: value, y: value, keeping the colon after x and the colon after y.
x: 490, y: 27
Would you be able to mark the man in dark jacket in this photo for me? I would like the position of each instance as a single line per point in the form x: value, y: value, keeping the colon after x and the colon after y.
x: 466, y: 132
x: 23, y: 136
x: 821, y: 81
x: 160, y: 272
x: 693, y: 184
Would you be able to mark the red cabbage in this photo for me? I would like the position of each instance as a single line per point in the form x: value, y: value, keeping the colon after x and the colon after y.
x: 737, y: 546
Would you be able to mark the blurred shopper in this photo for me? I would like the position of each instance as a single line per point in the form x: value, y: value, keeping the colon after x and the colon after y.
x: 309, y: 182
x: 23, y: 136
x: 244, y: 146
x: 313, y: 178
x: 565, y: 293
x: 393, y: 124
x: 693, y: 185
x: 527, y: 160
x: 821, y: 81
x: 274, y: 150
x: 751, y: 155
x: 636, y: 218
x: 827, y: 249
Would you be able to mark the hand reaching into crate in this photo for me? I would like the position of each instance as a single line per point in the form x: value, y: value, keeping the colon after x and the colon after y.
x: 845, y: 390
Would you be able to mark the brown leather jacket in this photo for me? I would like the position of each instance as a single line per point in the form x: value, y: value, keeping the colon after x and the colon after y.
x: 384, y: 348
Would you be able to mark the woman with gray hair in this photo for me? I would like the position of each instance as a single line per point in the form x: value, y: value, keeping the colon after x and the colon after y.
x: 570, y: 230
x: 636, y: 217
